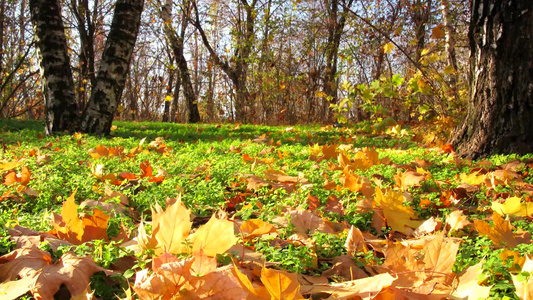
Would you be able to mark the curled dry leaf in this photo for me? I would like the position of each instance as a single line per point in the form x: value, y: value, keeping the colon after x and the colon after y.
x: 256, y: 227
x: 365, y: 288
x: 456, y: 220
x: 355, y: 241
x: 429, y: 226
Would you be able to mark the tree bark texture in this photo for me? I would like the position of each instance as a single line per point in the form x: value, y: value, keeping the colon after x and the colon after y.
x: 61, y: 111
x: 500, y: 110
x: 111, y: 78
x: 176, y: 43
x: 336, y: 22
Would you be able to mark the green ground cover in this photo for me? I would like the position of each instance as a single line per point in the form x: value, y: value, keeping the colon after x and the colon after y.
x: 274, y: 174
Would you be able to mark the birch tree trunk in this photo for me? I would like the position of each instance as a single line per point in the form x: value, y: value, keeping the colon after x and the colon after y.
x: 500, y: 111
x: 61, y: 111
x: 111, y: 78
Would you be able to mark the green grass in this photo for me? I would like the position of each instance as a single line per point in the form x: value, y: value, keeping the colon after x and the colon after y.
x: 206, y: 165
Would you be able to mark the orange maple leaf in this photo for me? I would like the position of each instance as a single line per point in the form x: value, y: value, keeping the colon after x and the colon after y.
x: 280, y: 284
x: 71, y: 228
x: 502, y: 232
x: 23, y: 178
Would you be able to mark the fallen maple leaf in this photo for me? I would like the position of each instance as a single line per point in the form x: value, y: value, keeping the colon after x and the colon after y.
x: 171, y: 227
x: 513, y: 206
x: 501, y: 232
x: 10, y: 165
x: 256, y: 227
x: 47, y: 277
x: 71, y: 228
x: 23, y: 178
x: 457, y: 221
x: 11, y: 290
x: 305, y: 222
x: 429, y: 226
x: 356, y: 183
x: 524, y: 286
x: 215, y: 237
x: 468, y: 286
x: 408, y: 179
x: 280, y: 284
x: 355, y: 241
x: 475, y: 178
x: 399, y: 217
x: 196, y: 277
x: 72, y: 271
x: 329, y: 151
x: 365, y: 288
x: 346, y: 267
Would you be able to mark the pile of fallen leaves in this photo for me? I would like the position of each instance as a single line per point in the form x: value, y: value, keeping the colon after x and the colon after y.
x: 414, y: 256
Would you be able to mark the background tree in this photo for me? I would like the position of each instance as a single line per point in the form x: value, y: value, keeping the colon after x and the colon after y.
x: 176, y: 41
x: 500, y: 110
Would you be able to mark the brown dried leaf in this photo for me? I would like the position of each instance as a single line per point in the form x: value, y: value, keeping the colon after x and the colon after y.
x: 355, y: 241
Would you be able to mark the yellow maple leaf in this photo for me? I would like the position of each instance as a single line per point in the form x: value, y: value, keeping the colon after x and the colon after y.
x: 171, y: 227
x: 408, y: 178
x: 473, y: 178
x: 387, y: 48
x: 281, y: 285
x: 513, y: 206
x: 457, y: 220
x: 215, y: 237
x: 399, y: 217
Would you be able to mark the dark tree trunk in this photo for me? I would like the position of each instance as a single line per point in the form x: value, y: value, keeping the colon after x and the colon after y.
x: 176, y: 43
x: 168, y: 98
x: 500, y: 111
x: 175, y: 100
x: 105, y: 96
x: 337, y: 20
x: 58, y: 86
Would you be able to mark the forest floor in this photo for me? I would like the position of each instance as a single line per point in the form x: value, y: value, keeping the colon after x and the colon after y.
x: 230, y: 211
